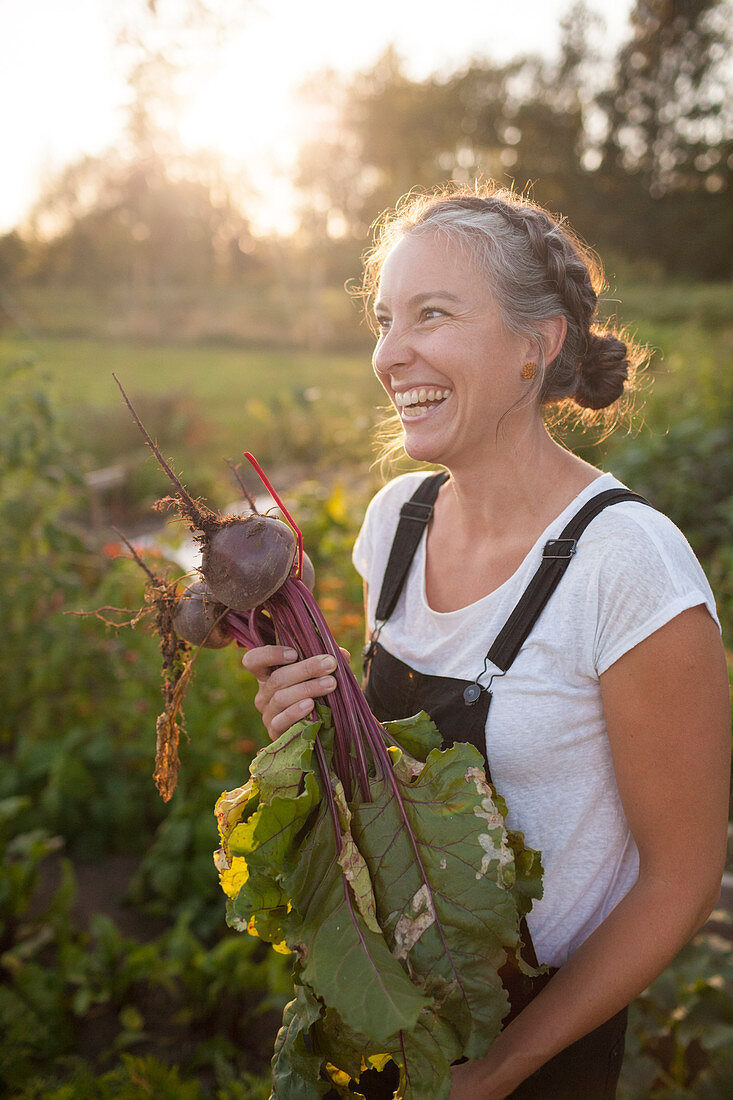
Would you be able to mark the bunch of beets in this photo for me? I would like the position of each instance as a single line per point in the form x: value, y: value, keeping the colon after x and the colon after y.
x: 378, y: 860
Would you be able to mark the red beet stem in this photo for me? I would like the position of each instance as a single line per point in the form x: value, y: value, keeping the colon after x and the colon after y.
x: 349, y: 686
x: 299, y: 623
x: 300, y: 633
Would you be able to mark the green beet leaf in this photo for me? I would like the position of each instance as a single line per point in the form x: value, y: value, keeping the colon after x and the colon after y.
x: 527, y: 886
x: 278, y: 768
x: 418, y: 735
x: 441, y: 868
x: 399, y: 911
x: 423, y: 1055
x: 296, y: 1068
x: 347, y: 964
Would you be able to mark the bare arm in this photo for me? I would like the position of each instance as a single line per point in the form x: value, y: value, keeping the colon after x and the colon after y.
x: 667, y: 712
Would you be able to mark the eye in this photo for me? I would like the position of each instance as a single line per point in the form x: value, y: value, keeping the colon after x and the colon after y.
x: 431, y: 312
x: 382, y: 323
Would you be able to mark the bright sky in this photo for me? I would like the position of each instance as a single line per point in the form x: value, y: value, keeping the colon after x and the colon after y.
x: 63, y: 92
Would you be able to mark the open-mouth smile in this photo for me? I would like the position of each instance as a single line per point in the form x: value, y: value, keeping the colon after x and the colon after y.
x: 412, y: 404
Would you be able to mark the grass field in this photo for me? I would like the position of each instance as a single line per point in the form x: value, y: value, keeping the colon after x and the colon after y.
x: 310, y: 410
x: 204, y: 403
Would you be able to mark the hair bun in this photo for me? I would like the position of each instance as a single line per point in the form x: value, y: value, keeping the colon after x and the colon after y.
x: 604, y: 370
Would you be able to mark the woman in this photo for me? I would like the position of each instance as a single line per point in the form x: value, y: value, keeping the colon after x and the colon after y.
x: 607, y: 736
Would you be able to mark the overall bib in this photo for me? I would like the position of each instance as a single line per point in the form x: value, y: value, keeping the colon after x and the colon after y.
x: 589, y: 1068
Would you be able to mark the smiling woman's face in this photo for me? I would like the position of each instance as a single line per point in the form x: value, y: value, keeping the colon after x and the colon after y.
x: 444, y: 355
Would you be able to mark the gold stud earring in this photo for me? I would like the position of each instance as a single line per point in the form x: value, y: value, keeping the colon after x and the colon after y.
x: 529, y: 370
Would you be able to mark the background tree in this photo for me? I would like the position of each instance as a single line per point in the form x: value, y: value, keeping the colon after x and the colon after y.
x: 637, y: 152
x: 666, y: 167
x: 147, y: 213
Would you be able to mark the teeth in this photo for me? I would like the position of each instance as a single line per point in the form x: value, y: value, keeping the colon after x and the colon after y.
x: 407, y: 398
x: 419, y: 397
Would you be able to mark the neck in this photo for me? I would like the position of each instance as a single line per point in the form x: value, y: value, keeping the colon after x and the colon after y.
x: 518, y: 479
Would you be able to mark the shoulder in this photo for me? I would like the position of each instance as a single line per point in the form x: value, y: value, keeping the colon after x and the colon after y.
x: 639, y: 572
x: 390, y: 498
x: 634, y: 539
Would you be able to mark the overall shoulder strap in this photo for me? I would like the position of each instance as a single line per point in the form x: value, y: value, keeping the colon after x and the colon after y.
x: 556, y: 557
x: 414, y: 516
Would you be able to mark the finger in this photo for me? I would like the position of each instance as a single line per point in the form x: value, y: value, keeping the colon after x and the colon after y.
x: 310, y: 689
x: 298, y: 673
x: 263, y: 659
x: 287, y: 718
x: 345, y: 653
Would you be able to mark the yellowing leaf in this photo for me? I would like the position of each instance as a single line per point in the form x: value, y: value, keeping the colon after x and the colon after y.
x: 377, y: 1061
x: 338, y: 1076
x: 233, y: 879
x: 351, y: 861
x: 230, y: 807
x: 352, y: 864
x: 240, y: 838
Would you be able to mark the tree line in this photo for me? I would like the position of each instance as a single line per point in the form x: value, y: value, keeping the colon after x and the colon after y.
x: 637, y: 151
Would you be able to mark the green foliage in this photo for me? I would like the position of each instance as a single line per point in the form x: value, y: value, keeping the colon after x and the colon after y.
x: 682, y: 458
x: 33, y: 1023
x: 135, y: 1077
x: 79, y: 705
x: 688, y: 474
x: 204, y: 404
x: 679, y: 1029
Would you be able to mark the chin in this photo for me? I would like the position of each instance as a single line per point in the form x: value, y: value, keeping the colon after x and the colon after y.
x: 422, y: 450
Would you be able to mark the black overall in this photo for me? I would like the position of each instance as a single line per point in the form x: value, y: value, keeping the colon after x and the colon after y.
x: 589, y: 1068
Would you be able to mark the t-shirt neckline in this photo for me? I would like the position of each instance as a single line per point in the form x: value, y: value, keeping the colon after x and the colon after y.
x: 560, y: 520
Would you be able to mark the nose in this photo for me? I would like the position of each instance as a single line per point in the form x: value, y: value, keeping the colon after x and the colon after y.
x: 392, y: 350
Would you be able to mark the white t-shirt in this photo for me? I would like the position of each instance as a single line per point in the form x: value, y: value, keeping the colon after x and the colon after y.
x: 546, y: 737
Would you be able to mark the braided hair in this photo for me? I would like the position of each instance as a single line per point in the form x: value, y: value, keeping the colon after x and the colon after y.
x: 537, y: 269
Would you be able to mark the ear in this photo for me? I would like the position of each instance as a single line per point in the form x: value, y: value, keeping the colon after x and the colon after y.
x: 554, y: 331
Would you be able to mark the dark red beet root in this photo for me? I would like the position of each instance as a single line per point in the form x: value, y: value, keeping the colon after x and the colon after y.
x: 309, y: 573
x: 246, y: 561
x: 195, y: 618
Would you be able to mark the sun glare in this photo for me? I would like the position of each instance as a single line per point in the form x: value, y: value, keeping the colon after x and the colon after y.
x: 246, y: 108
x: 242, y: 103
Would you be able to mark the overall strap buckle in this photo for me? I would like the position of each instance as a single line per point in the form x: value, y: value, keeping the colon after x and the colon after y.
x: 413, y: 509
x: 562, y: 549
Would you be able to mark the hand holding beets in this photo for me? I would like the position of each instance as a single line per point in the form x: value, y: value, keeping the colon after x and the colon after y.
x: 288, y: 688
